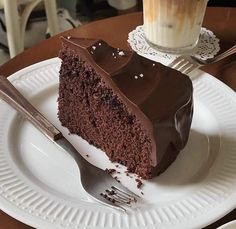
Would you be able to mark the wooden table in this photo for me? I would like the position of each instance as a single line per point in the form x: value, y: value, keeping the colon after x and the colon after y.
x: 222, y: 21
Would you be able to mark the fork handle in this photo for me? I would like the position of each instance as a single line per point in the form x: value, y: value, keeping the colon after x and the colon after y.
x: 227, y: 53
x: 15, y: 99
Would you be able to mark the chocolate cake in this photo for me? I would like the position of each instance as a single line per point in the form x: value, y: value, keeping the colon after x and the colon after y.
x: 137, y: 111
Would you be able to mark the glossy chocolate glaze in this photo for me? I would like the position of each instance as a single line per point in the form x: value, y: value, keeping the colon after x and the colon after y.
x: 160, y: 97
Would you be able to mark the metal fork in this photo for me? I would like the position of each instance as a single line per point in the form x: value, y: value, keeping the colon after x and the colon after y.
x: 187, y: 64
x: 100, y: 185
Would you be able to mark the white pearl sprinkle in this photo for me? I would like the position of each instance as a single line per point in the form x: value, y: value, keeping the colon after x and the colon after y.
x: 99, y: 44
x: 121, y: 53
x: 136, y: 77
x: 141, y: 75
x: 153, y: 64
x: 69, y: 37
x: 93, y: 47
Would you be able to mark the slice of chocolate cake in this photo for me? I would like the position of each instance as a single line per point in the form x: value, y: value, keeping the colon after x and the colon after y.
x: 136, y: 110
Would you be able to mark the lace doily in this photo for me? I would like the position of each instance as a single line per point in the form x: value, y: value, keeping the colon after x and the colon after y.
x: 208, y: 46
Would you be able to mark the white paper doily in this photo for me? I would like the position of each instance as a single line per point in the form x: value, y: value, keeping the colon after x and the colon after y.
x: 208, y: 46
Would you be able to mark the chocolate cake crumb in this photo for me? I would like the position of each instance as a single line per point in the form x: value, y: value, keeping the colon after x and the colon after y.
x: 116, y: 178
x: 139, y: 183
x: 110, y: 192
x: 87, y: 155
x: 111, y: 199
x: 127, y: 174
x: 142, y: 193
x: 128, y: 202
x: 104, y: 195
x: 117, y: 166
x: 108, y: 198
x: 110, y: 171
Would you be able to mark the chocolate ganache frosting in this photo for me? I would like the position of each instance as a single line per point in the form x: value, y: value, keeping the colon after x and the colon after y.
x: 160, y: 97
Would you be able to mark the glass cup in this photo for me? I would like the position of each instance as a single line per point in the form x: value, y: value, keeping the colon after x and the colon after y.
x: 173, y: 25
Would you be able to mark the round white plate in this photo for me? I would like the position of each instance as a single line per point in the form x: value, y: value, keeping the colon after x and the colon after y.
x: 39, y: 184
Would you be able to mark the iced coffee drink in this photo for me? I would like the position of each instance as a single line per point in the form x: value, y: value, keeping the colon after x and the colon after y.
x: 173, y: 25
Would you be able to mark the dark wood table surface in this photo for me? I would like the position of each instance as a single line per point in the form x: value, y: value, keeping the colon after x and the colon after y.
x: 222, y: 21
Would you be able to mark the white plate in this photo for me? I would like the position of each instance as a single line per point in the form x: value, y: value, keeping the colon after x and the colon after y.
x: 39, y: 184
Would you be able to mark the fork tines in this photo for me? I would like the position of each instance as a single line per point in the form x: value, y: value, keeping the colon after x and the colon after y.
x: 117, y: 196
x: 183, y: 64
